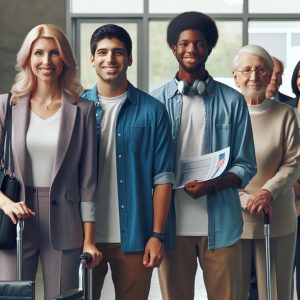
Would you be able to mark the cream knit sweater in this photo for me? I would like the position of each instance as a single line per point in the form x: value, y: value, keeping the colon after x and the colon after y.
x: 277, y: 147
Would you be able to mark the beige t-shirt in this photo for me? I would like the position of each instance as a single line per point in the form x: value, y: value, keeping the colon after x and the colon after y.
x: 276, y: 139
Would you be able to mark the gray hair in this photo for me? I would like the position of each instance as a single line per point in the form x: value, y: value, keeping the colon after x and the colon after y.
x: 255, y: 50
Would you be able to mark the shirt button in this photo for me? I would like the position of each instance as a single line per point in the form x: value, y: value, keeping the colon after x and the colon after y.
x: 119, y: 155
x: 97, y: 115
x: 119, y: 134
x: 122, y: 206
x: 121, y: 180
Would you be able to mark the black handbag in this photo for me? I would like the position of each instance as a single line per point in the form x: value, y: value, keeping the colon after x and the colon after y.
x: 18, y: 289
x: 9, y: 185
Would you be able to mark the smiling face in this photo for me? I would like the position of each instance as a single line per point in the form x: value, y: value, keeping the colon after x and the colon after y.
x: 111, y: 61
x: 253, y: 87
x: 191, y: 52
x: 45, y: 60
x: 298, y: 81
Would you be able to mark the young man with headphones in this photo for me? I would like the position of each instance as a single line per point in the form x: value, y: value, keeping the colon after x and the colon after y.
x: 206, y: 116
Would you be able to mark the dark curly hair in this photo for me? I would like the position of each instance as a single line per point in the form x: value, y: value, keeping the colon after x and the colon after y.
x: 110, y: 31
x: 294, y: 80
x: 192, y: 20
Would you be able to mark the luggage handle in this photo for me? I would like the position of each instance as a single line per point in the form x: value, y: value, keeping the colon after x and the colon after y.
x: 266, y: 219
x: 85, y: 258
x: 19, y: 229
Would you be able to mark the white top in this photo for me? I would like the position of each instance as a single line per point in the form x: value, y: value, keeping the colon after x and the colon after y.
x: 107, y: 229
x: 191, y: 214
x: 41, y: 144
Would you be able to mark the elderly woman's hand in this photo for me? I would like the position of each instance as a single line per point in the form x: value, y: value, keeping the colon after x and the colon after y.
x: 260, y: 202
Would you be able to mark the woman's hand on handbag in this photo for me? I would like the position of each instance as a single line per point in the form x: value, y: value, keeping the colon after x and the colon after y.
x: 16, y: 210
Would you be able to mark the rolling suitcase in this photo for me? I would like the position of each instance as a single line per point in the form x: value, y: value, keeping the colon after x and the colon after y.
x: 268, y: 261
x: 21, y: 290
x: 84, y: 290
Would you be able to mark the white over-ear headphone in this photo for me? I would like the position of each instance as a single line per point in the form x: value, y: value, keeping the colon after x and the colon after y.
x: 198, y: 87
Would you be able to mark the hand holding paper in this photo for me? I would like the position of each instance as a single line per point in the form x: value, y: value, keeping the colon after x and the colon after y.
x: 198, y: 189
x: 201, y: 168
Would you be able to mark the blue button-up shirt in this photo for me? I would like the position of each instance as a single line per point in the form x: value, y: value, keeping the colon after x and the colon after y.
x: 227, y: 124
x: 144, y: 159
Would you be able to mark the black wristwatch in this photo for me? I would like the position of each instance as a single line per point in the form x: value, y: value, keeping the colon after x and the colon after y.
x: 159, y: 235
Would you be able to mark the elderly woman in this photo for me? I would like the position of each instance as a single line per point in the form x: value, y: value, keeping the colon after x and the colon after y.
x: 276, y: 139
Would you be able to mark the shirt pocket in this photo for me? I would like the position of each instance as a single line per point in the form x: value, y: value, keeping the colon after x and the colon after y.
x: 139, y: 139
x: 223, y: 135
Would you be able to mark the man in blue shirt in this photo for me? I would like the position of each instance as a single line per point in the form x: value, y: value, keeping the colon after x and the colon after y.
x: 135, y: 171
x: 206, y: 116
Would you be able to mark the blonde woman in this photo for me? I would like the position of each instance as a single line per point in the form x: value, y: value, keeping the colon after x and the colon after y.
x: 54, y: 152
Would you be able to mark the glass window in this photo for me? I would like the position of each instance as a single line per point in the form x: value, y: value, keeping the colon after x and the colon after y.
x: 163, y: 64
x: 280, y: 39
x: 88, y: 76
x: 230, y: 41
x: 212, y: 6
x: 111, y: 6
x: 271, y: 6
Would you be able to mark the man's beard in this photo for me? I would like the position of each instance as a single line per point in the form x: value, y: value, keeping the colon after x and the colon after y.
x: 193, y: 70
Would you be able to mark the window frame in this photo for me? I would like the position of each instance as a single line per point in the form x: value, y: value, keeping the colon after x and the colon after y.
x: 73, y: 21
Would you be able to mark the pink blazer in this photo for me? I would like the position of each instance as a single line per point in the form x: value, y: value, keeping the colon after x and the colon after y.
x: 74, y: 179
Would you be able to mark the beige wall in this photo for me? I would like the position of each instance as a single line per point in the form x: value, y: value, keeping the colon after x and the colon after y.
x: 17, y: 17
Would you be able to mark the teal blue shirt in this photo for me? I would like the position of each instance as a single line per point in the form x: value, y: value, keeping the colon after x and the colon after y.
x: 227, y: 124
x: 144, y: 158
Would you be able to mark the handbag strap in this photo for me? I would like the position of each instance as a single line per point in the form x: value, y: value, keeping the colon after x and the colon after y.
x: 8, y: 159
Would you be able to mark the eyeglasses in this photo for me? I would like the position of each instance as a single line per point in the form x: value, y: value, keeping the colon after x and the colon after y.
x: 247, y: 71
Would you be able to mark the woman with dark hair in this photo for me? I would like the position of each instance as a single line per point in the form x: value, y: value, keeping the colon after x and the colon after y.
x: 54, y: 153
x: 295, y: 84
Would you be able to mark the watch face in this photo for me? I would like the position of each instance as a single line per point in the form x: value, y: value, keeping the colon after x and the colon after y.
x: 159, y: 236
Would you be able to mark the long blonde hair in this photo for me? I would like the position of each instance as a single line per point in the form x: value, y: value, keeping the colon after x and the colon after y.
x: 25, y: 81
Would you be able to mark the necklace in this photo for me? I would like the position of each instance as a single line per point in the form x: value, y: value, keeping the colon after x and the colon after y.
x: 46, y: 104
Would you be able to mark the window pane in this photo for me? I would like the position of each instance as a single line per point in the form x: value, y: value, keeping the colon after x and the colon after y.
x: 271, y: 6
x: 163, y: 64
x: 179, y: 6
x: 280, y: 39
x: 111, y: 6
x: 230, y: 41
x: 88, y: 76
